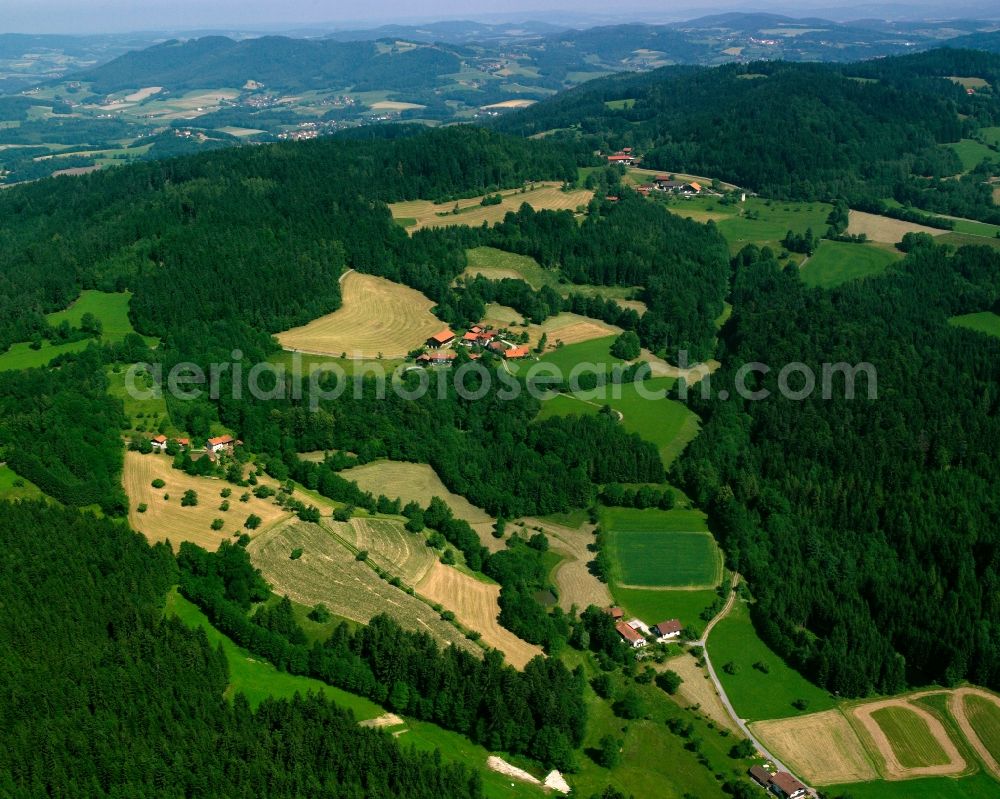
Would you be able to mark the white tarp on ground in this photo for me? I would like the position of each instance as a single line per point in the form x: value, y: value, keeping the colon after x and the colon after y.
x: 556, y: 782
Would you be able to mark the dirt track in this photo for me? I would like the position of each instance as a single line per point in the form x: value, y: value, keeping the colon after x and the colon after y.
x: 956, y: 706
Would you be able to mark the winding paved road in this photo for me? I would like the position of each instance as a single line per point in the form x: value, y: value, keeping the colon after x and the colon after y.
x: 703, y: 643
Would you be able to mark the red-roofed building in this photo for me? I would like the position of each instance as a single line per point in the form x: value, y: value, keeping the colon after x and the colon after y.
x: 515, y: 353
x: 630, y: 636
x: 159, y: 442
x: 221, y: 444
x: 622, y: 158
x: 442, y: 339
x: 667, y: 629
x: 786, y: 786
x: 615, y: 612
x: 184, y: 442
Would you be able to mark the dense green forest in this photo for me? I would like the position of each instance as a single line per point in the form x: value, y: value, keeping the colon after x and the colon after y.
x: 866, y: 527
x: 105, y: 697
x: 865, y: 131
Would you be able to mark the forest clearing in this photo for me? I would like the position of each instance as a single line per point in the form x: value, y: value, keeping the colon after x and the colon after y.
x: 885, y: 229
x: 418, y: 214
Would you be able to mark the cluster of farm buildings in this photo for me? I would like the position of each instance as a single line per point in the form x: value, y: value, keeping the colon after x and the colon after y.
x: 213, y: 446
x: 636, y: 633
x: 669, y: 184
x: 441, y: 346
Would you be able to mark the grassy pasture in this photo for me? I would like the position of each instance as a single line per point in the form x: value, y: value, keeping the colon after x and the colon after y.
x: 624, y: 104
x: 13, y: 486
x: 965, y: 240
x: 257, y: 679
x: 767, y: 221
x: 377, y: 317
x: 756, y: 695
x: 910, y: 737
x: 985, y: 322
x: 976, y: 786
x: 497, y: 264
x: 471, y: 212
x: 655, y: 605
x: 147, y: 414
x: 836, y: 262
x: 110, y: 308
x: 596, y: 351
x: 972, y: 153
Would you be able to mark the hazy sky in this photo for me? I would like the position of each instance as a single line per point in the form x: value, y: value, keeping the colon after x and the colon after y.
x: 112, y: 16
x: 90, y: 16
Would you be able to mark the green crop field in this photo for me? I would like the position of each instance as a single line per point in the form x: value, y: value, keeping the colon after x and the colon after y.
x: 910, y: 738
x: 984, y: 716
x: 757, y: 695
x: 972, y: 153
x: 972, y: 227
x: 976, y: 786
x: 836, y: 262
x: 983, y: 322
x: 670, y: 549
x: 258, y: 679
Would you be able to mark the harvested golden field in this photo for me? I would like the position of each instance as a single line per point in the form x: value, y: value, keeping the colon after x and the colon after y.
x: 471, y: 212
x: 884, y: 229
x: 571, y: 328
x: 390, y: 546
x: 697, y: 689
x: 418, y: 482
x: 167, y: 520
x: 377, y: 317
x: 574, y: 582
x: 501, y: 316
x: 328, y: 572
x: 475, y: 606
x: 904, y: 734
x: 822, y: 747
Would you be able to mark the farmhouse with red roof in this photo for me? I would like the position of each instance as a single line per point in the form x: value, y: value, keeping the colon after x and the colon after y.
x: 442, y: 339
x: 630, y: 636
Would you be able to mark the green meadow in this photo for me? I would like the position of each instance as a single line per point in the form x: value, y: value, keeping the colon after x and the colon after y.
x: 110, y: 308
x: 656, y: 605
x: 836, y: 262
x: 763, y: 221
x: 972, y: 153
x: 976, y: 786
x: 755, y: 694
x: 596, y: 351
x: 983, y: 322
x: 258, y: 679
x: 12, y: 486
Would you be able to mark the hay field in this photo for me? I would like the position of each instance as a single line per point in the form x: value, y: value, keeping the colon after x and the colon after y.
x: 392, y: 105
x: 377, y: 316
x: 523, y: 103
x: 418, y: 482
x: 822, y: 747
x: 697, y: 689
x: 884, y: 229
x: 574, y: 582
x: 571, y: 328
x: 911, y: 741
x: 425, y: 213
x: 328, y: 572
x: 391, y: 547
x: 475, y: 605
x: 167, y: 520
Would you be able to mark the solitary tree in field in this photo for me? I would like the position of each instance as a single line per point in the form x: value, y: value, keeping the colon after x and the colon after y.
x: 190, y: 498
